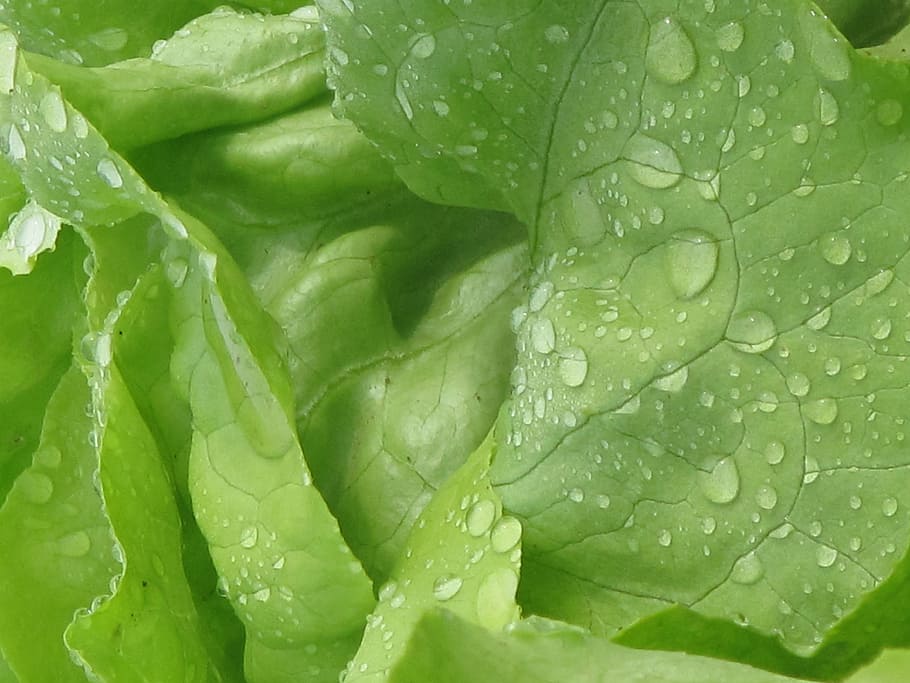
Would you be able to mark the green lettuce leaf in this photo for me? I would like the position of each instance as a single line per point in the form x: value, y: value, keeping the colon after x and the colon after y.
x: 706, y: 406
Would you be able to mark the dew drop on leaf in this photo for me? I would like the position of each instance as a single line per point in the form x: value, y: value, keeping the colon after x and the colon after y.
x: 774, y: 452
x: 821, y: 412
x: 480, y: 517
x: 573, y: 366
x: 670, y: 56
x: 721, y: 484
x: 730, y: 36
x: 16, y: 144
x: 889, y: 112
x: 752, y: 331
x: 827, y: 50
x: 889, y: 507
x: 108, y: 172
x: 76, y: 544
x: 446, y: 587
x: 54, y: 111
x: 747, y: 570
x: 543, y: 336
x: 825, y: 556
x: 653, y: 163
x: 827, y: 108
x: 505, y: 534
x: 798, y: 384
x: 835, y: 249
x: 691, y: 260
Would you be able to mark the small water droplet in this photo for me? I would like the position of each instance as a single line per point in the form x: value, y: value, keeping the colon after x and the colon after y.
x: 752, y: 331
x: 825, y: 556
x: 541, y: 294
x: 263, y: 594
x: 670, y: 56
x: 889, y: 507
x: 556, y: 34
x: 855, y: 502
x: 821, y: 412
x: 249, y: 537
x: 827, y: 108
x: 446, y: 587
x: 730, y: 36
x: 480, y: 517
x: 108, y: 172
x: 691, y: 262
x: 505, y: 535
x: 576, y: 495
x: 775, y: 452
x: 748, y: 569
x: 176, y: 272
x: 721, y: 484
x: 16, y: 144
x: 53, y: 110
x: 665, y: 538
x: 800, y: 133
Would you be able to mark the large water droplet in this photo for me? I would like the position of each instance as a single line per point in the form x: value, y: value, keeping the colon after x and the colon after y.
x: 747, y: 570
x: 835, y: 249
x: 76, y: 544
x: 480, y: 517
x: 53, y: 110
x: 653, y: 163
x: 249, y: 537
x: 674, y: 382
x: 573, y: 366
x: 16, y: 144
x: 775, y: 452
x: 446, y: 587
x: 424, y: 47
x: 505, y: 535
x: 730, y: 36
x: 766, y: 497
x: 798, y: 384
x: 691, y: 262
x: 822, y: 412
x: 543, y: 336
x: 721, y: 484
x: 828, y: 50
x: 752, y: 331
x: 671, y: 55
x: 825, y: 556
x: 889, y: 507
x: 889, y: 112
x: 36, y: 487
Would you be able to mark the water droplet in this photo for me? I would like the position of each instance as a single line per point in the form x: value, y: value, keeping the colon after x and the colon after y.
x: 16, y: 144
x: 674, y: 382
x: 424, y: 47
x: 53, y: 110
x: 881, y: 328
x: 480, y: 517
x: 825, y: 556
x: 752, y: 331
x: 573, y: 366
x: 505, y: 535
x: 785, y: 51
x: 671, y: 55
x: 556, y: 34
x: 827, y: 108
x: 889, y: 112
x: 798, y: 384
x: 543, y: 336
x: 775, y: 452
x: 720, y: 485
x: 747, y: 570
x: 822, y: 412
x: 36, y: 487
x: 730, y: 36
x: 540, y: 296
x: 446, y: 587
x: 757, y: 117
x: 800, y: 133
x: 855, y: 502
x: 653, y: 163
x: 249, y: 537
x: 691, y: 262
x: 766, y: 497
x: 709, y: 525
x: 263, y: 594
x: 108, y: 172
x: 49, y: 456
x: 743, y: 85
x: 835, y: 249
x: 603, y: 501
x: 827, y: 50
x: 832, y: 366
x: 889, y: 507
x: 76, y: 544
